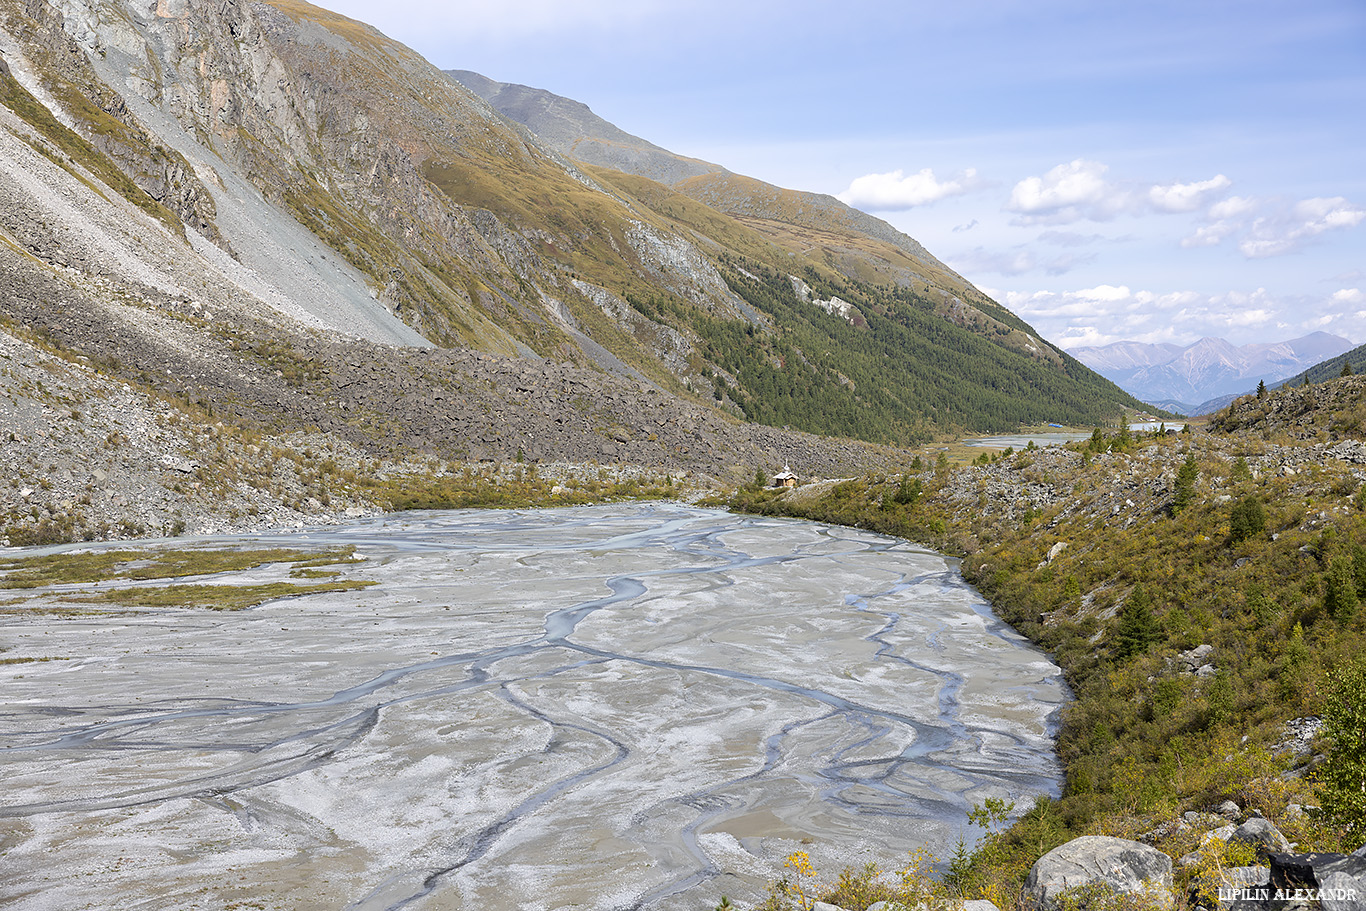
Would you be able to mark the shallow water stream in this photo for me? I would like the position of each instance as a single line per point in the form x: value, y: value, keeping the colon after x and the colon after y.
x: 606, y: 707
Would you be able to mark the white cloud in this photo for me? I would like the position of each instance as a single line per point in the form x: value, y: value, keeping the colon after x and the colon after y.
x: 1233, y: 207
x: 896, y: 191
x: 1067, y: 193
x: 1266, y: 243
x: 1069, y: 238
x: 1209, y: 235
x: 1079, y: 190
x: 1348, y: 296
x: 979, y: 259
x: 1186, y: 197
x: 1105, y: 293
x: 1268, y: 228
x: 1250, y: 318
x: 1016, y: 261
x: 1320, y: 214
x: 1111, y: 313
x: 1061, y: 265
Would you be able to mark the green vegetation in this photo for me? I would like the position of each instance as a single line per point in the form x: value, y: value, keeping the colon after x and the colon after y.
x: 1185, y: 484
x: 912, y: 886
x: 1350, y: 364
x: 1344, y: 771
x: 900, y: 373
x: 215, y: 597
x: 104, y: 566
x: 140, y: 565
x: 1272, y: 583
x: 471, y: 488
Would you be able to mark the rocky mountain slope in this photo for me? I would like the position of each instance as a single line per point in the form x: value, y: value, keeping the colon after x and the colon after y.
x: 1191, y: 379
x: 858, y: 244
x: 271, y: 217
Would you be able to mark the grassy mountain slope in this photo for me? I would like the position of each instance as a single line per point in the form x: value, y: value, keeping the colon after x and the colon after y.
x: 919, y: 350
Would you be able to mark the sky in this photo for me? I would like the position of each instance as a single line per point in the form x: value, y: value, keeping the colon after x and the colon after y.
x: 1153, y: 171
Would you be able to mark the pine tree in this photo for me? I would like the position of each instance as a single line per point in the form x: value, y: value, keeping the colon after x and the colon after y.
x: 1261, y: 389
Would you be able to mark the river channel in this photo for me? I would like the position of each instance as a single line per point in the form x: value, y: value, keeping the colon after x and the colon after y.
x: 613, y: 707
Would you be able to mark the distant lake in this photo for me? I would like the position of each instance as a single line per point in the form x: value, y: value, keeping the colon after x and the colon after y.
x: 638, y: 706
x: 1058, y: 437
x: 1022, y: 440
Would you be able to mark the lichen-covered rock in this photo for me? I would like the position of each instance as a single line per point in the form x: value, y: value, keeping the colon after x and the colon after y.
x: 1116, y: 864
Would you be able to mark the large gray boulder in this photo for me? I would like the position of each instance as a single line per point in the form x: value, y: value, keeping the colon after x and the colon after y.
x: 1261, y: 835
x: 1113, y: 863
x: 1338, y: 881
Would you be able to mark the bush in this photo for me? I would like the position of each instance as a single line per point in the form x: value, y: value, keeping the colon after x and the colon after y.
x: 1247, y: 519
x: 1343, y: 774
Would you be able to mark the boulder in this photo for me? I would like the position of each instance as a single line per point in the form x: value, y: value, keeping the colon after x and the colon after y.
x: 1114, y: 863
x: 1262, y: 835
x: 1243, y: 889
x: 1341, y: 891
x: 979, y: 904
x: 1340, y: 877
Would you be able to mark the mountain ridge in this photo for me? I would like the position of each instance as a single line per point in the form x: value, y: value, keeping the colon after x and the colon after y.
x: 574, y: 130
x: 1201, y: 376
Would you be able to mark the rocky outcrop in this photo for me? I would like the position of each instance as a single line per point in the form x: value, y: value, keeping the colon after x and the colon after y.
x: 1333, y: 882
x: 1099, y: 862
x: 1196, y: 661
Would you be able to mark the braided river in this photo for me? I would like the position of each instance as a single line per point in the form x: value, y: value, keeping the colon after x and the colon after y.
x: 610, y: 707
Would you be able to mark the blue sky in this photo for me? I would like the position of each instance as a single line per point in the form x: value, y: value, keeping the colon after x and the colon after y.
x: 1157, y: 171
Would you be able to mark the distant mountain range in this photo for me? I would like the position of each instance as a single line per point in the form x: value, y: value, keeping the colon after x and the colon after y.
x: 1201, y: 377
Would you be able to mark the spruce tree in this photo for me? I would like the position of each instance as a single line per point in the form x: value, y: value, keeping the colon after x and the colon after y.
x: 1185, y: 484
x: 1247, y: 519
x: 1138, y: 629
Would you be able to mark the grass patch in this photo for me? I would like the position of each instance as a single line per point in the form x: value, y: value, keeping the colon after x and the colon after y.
x: 523, y: 489
x: 313, y: 574
x: 216, y: 597
x: 15, y: 97
x: 142, y: 565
